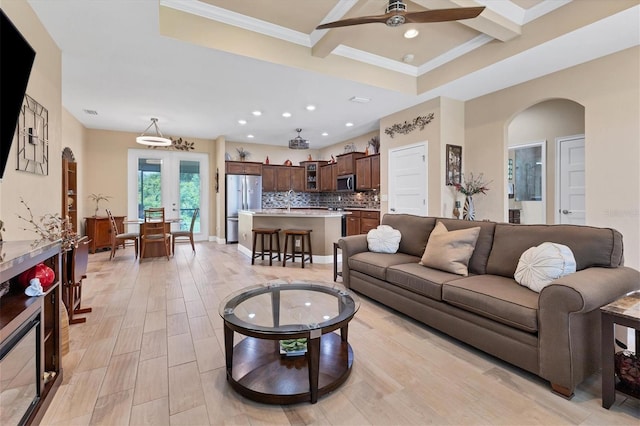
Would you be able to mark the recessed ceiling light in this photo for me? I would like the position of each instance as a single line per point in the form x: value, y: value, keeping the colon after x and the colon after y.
x: 349, y: 124
x: 408, y: 58
x: 257, y: 113
x: 311, y: 107
x: 243, y: 122
x: 411, y: 33
x: 250, y: 136
x: 325, y: 134
x: 286, y: 114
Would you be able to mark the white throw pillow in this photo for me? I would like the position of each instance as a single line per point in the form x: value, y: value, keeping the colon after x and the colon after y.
x: 539, y: 266
x: 384, y: 239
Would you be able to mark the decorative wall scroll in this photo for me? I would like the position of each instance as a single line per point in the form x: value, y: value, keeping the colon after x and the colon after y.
x: 178, y: 145
x: 33, y: 137
x: 406, y: 127
x: 454, y: 164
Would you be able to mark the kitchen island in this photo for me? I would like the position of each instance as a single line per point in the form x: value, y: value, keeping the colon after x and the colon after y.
x: 326, y: 228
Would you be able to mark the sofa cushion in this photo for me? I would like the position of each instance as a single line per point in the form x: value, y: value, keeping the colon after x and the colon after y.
x: 540, y: 265
x: 590, y: 246
x: 376, y: 264
x: 415, y: 231
x: 419, y: 279
x: 480, y: 256
x: 499, y: 298
x: 450, y: 251
x: 383, y: 239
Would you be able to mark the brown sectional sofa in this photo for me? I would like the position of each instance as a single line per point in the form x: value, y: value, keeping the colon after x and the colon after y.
x: 554, y: 334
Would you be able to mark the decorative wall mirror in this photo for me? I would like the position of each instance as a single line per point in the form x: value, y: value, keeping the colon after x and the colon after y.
x: 33, y: 137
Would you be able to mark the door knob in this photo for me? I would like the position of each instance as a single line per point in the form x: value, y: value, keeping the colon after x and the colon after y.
x: 566, y: 212
x: 392, y: 209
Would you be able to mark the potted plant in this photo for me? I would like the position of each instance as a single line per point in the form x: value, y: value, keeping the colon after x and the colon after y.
x: 96, y: 198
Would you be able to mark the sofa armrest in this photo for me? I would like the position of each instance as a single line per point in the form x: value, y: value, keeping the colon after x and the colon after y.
x: 569, y: 321
x: 351, y: 245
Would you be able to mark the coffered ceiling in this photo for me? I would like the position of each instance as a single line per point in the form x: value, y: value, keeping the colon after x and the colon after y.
x: 200, y: 66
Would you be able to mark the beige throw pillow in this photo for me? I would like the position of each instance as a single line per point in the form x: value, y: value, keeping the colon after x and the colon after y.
x: 450, y: 251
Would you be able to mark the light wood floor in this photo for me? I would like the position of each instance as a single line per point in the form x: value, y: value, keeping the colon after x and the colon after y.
x: 151, y: 353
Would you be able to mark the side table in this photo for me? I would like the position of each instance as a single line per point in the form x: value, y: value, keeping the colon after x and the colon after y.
x: 626, y: 312
x: 336, y: 273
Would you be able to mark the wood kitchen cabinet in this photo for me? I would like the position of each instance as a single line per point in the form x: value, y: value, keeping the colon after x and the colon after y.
x: 353, y: 222
x: 312, y: 175
x: 362, y: 221
x: 368, y: 172
x: 243, y: 168
x: 347, y: 163
x: 98, y: 230
x: 289, y: 177
x: 369, y: 220
x: 328, y: 177
x: 375, y: 172
x: 297, y: 178
x: 269, y: 178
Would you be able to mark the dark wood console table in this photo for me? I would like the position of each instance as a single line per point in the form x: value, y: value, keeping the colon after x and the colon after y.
x: 20, y: 315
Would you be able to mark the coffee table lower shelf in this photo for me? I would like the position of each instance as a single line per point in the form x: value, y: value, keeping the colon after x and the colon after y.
x: 260, y: 373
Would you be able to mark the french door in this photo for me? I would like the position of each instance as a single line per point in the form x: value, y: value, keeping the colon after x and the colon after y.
x: 177, y: 181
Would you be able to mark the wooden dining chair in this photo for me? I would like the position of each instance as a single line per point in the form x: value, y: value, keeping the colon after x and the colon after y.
x: 118, y: 238
x: 153, y: 231
x: 186, y: 234
x: 79, y: 255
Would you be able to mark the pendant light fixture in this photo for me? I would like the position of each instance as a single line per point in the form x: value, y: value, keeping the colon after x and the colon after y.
x: 298, y: 142
x: 153, y: 140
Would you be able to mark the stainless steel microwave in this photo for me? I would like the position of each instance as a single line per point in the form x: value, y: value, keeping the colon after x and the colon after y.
x: 346, y: 183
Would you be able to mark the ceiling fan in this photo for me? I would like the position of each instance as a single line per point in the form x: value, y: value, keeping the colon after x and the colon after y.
x: 396, y: 15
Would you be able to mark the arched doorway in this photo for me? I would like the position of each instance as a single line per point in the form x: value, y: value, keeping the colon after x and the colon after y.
x: 533, y: 152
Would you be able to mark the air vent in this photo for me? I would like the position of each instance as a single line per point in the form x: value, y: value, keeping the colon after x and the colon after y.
x: 90, y: 112
x: 359, y: 99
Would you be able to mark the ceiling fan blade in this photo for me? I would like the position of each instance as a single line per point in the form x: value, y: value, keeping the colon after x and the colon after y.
x: 443, y: 15
x: 356, y: 21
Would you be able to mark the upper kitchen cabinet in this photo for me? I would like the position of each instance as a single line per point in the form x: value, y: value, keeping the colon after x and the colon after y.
x: 286, y: 178
x: 347, y: 163
x: 328, y: 177
x: 312, y: 175
x: 243, y: 168
x: 269, y: 178
x: 368, y: 172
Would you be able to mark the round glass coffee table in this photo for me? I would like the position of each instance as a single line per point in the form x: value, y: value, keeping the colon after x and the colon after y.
x: 290, y: 353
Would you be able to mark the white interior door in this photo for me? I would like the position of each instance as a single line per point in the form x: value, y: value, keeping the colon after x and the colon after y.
x: 177, y: 181
x: 571, y: 181
x: 408, y: 179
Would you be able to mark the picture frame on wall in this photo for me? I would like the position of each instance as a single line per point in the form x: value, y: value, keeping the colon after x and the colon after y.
x: 453, y: 164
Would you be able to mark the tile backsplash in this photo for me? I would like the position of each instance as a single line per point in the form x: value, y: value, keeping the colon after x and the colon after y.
x: 367, y: 199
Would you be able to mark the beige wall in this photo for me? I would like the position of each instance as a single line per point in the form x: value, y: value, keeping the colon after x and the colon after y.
x: 41, y: 193
x: 546, y: 121
x: 106, y: 170
x: 608, y: 88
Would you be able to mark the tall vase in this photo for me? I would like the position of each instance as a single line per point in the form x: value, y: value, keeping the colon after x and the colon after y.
x: 468, y: 211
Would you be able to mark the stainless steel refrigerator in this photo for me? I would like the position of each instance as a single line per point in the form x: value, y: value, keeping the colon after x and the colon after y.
x: 244, y: 192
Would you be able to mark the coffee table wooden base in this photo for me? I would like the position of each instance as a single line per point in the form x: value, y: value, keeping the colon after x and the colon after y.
x: 260, y: 373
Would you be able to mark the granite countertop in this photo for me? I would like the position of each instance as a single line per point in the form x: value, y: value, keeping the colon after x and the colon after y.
x: 295, y: 212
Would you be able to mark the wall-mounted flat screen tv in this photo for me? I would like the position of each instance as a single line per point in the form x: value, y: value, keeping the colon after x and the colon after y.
x: 16, y: 60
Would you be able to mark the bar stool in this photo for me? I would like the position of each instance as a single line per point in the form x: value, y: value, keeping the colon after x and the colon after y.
x: 266, y: 233
x: 294, y: 235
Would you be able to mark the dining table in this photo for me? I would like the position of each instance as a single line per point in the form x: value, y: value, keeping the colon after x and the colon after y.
x: 153, y: 250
